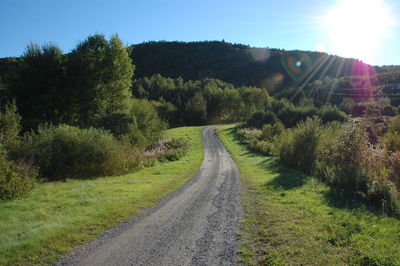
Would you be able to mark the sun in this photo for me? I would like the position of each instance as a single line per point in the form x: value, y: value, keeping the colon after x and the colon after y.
x: 358, y: 28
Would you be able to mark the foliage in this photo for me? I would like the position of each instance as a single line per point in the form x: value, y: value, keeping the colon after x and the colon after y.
x: 10, y: 127
x: 297, y: 147
x: 270, y: 131
x: 207, y: 100
x: 258, y: 119
x: 100, y: 74
x: 39, y: 86
x: 15, y: 179
x: 196, y: 110
x: 68, y: 152
x: 292, y: 218
x: 58, y: 217
x: 75, y: 88
x: 391, y: 139
x: 238, y: 64
x: 146, y: 126
x: 330, y: 113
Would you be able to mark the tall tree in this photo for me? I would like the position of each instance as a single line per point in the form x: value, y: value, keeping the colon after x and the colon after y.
x: 39, y: 86
x: 100, y: 73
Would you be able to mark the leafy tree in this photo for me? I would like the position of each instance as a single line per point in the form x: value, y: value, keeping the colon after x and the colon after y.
x: 196, y: 110
x: 100, y: 72
x: 39, y: 86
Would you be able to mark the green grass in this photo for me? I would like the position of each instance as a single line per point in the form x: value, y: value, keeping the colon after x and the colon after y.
x: 292, y: 218
x: 56, y: 217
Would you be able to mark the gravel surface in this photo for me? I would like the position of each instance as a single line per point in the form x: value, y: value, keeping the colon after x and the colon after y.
x: 196, y: 225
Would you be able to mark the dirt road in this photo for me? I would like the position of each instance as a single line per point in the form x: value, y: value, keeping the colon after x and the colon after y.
x: 197, y: 225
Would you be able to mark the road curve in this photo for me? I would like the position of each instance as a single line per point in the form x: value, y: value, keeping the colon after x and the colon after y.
x: 197, y: 225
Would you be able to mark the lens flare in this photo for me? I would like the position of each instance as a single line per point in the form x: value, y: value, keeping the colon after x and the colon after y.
x: 357, y: 28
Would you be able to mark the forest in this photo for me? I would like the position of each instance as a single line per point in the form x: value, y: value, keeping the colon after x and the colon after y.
x: 99, y: 109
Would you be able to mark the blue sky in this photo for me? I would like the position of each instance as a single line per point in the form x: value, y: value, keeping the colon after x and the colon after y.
x: 287, y: 24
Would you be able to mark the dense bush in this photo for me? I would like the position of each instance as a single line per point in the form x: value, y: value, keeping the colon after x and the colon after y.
x: 10, y: 128
x: 146, y: 127
x: 269, y: 131
x: 15, y: 180
x: 69, y: 152
x: 297, y: 147
x: 347, y: 161
x: 391, y: 139
x: 258, y: 119
x: 331, y: 113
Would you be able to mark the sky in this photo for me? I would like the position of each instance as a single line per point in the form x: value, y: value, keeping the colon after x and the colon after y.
x: 285, y: 24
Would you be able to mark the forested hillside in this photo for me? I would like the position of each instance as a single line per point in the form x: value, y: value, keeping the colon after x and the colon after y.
x: 240, y: 64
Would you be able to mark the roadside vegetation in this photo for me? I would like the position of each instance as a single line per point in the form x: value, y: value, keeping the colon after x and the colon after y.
x: 57, y: 216
x: 294, y: 218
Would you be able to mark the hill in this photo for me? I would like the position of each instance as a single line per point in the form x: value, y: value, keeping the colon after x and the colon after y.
x: 240, y: 64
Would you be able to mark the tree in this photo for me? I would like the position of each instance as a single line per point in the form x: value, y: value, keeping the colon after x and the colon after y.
x: 196, y: 110
x: 39, y: 86
x: 101, y: 73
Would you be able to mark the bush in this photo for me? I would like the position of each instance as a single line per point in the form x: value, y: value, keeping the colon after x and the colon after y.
x: 347, y: 164
x: 391, y: 141
x: 394, y: 168
x: 383, y: 194
x: 258, y: 119
x: 116, y: 123
x: 297, y: 147
x: 15, y: 180
x: 141, y: 125
x: 269, y: 131
x: 331, y: 113
x: 249, y: 136
x: 146, y: 127
x: 330, y: 136
x: 69, y: 152
x: 10, y: 127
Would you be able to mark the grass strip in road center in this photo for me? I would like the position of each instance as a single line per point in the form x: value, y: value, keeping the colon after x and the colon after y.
x: 56, y: 217
x: 293, y: 219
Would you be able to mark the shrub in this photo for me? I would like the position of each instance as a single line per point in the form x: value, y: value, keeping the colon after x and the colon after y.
x: 10, y: 127
x: 330, y: 136
x: 146, y: 127
x: 141, y: 125
x: 391, y: 141
x: 15, y: 180
x: 69, y: 152
x: 269, y: 131
x: 297, y: 147
x: 394, y: 126
x: 331, y: 113
x: 394, y: 168
x: 347, y: 168
x: 116, y: 123
x: 258, y: 119
x: 249, y: 136
x: 383, y: 194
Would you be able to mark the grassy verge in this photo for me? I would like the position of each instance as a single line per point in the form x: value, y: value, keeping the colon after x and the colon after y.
x: 294, y: 219
x: 58, y: 216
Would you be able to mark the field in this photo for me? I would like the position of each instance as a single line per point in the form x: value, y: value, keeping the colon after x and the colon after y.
x: 292, y: 218
x: 56, y: 217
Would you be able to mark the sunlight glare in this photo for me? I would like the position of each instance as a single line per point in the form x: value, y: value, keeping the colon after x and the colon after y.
x: 357, y: 28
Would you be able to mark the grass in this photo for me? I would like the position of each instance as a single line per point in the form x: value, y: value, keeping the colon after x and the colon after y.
x: 56, y: 217
x: 293, y: 219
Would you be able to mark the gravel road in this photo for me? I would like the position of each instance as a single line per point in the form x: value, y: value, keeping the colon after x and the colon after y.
x: 196, y: 225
